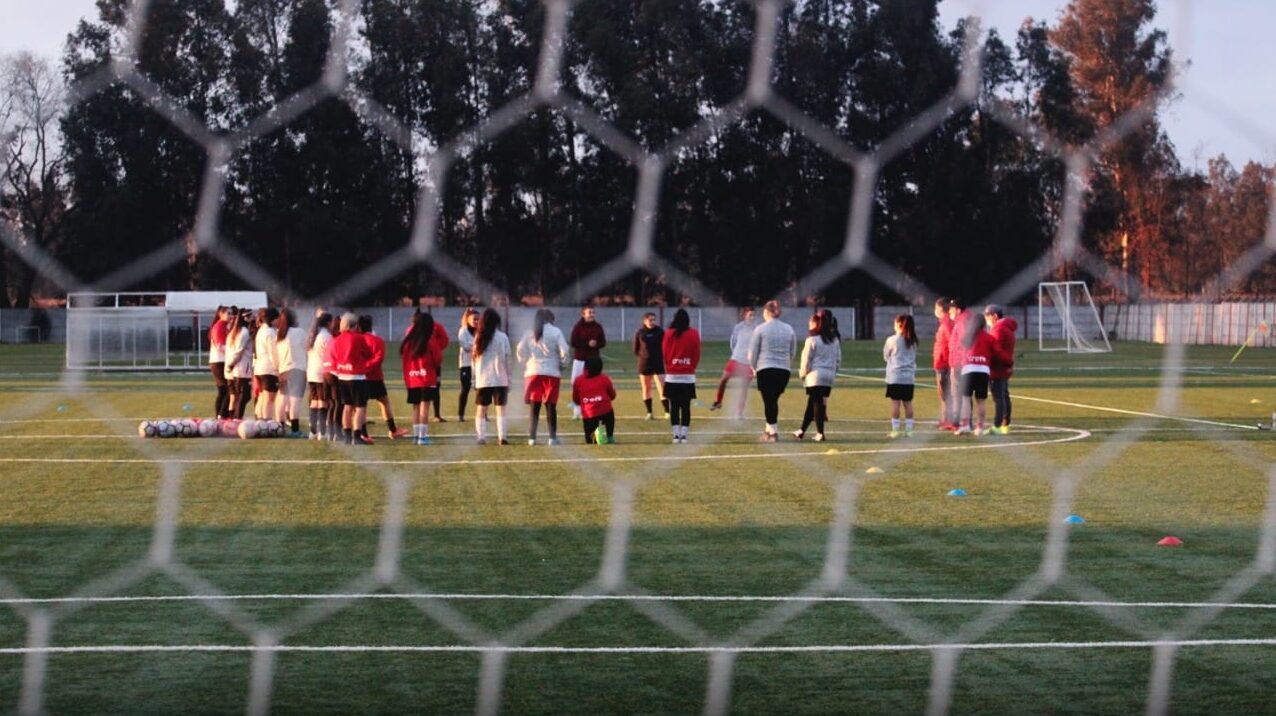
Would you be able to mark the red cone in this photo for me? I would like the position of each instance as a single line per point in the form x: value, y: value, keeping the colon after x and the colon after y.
x: 1170, y: 541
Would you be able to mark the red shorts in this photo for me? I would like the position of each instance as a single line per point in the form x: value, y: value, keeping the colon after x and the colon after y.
x: 737, y: 370
x: 541, y: 389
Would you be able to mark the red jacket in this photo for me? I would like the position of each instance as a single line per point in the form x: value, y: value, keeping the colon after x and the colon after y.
x: 376, y: 345
x: 981, y: 349
x: 440, y: 337
x: 593, y: 395
x: 681, y: 353
x: 217, y: 333
x: 957, y: 339
x: 423, y: 371
x: 582, y: 334
x: 939, y: 352
x: 1003, y: 358
x: 351, y: 354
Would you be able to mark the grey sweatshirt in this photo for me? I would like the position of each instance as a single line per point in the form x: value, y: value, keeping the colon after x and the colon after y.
x: 772, y: 346
x: 901, y: 361
x: 820, y: 362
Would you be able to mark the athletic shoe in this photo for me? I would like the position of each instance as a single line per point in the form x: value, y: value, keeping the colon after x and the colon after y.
x: 893, y: 434
x: 717, y: 405
x: 677, y: 440
x: 908, y: 433
x: 1005, y: 430
x: 423, y: 440
x: 819, y: 438
x: 768, y: 437
x: 440, y: 419
x: 396, y: 434
x: 552, y: 442
x: 364, y: 440
x: 609, y: 440
x: 649, y: 417
x: 947, y: 426
x: 963, y: 430
x: 799, y: 434
x: 666, y: 416
x: 531, y: 442
x: 503, y: 441
x: 480, y: 441
x: 316, y: 436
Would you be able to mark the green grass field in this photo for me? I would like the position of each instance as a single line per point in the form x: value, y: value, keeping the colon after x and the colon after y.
x: 488, y: 542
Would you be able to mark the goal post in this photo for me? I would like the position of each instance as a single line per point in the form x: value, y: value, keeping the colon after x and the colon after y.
x: 1067, y: 319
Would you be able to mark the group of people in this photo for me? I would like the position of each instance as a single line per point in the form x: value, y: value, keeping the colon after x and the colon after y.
x: 262, y: 358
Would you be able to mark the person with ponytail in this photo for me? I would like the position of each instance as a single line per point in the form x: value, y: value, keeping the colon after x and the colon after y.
x: 317, y: 366
x: 900, y: 354
x: 681, y: 349
x: 491, y: 360
x: 422, y: 358
x: 291, y: 350
x: 821, y: 359
x: 544, y: 350
x: 465, y: 358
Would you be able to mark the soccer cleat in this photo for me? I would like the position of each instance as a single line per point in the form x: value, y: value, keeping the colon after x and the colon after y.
x: 480, y: 441
x: 717, y: 405
x: 908, y: 433
x: 649, y: 417
x: 553, y: 441
x: 893, y: 434
x: 799, y: 434
x: 440, y: 419
x: 396, y: 434
x: 364, y: 440
x: 963, y: 430
x: 768, y: 437
x: 1005, y: 430
x: 677, y: 440
x: 531, y: 442
x: 819, y: 438
x: 503, y: 441
x: 423, y: 440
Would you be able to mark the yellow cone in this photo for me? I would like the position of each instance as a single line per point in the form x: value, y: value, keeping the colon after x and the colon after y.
x: 875, y: 471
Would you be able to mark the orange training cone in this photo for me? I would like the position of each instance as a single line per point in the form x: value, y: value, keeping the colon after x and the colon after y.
x: 1170, y: 541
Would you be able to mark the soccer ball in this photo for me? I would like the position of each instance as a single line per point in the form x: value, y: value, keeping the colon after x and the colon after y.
x: 208, y: 428
x: 188, y: 428
x: 166, y: 429
x: 146, y: 429
x: 248, y: 429
x: 229, y: 428
x: 271, y: 429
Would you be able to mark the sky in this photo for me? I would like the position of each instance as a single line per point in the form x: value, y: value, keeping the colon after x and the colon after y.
x: 1228, y: 91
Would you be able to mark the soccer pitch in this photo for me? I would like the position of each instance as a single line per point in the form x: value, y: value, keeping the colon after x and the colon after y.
x: 644, y: 577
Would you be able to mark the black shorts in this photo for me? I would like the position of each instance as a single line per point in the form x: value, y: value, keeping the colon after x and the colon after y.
x: 975, y: 384
x: 422, y: 395
x: 318, y: 391
x: 900, y: 391
x: 651, y: 367
x: 680, y: 391
x: 376, y: 389
x: 773, y: 381
x: 268, y: 383
x: 493, y: 396
x: 353, y: 392
x: 819, y: 391
x: 219, y: 373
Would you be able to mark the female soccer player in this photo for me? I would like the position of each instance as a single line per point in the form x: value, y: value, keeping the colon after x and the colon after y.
x: 587, y: 340
x: 266, y: 363
x: 974, y: 378
x: 821, y: 359
x: 738, y: 365
x: 376, y: 377
x: 351, y: 356
x: 593, y: 392
x: 943, y: 369
x: 771, y: 351
x: 217, y: 361
x: 681, y: 350
x: 239, y: 361
x: 316, y: 366
x: 465, y: 358
x: 1003, y: 329
x: 422, y: 356
x: 544, y: 349
x: 648, y: 347
x: 291, y: 350
x: 900, y: 354
x: 491, y: 360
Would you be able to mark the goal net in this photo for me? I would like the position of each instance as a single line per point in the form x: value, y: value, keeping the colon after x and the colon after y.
x: 1067, y: 319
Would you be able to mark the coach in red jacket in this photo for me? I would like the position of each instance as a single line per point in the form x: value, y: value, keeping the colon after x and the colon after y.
x: 1004, y: 329
x: 943, y: 370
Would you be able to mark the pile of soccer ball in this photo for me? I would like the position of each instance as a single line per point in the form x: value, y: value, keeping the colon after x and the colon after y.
x: 211, y: 428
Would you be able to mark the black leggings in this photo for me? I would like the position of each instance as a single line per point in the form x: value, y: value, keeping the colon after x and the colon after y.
x: 607, y: 420
x: 679, y: 396
x: 223, y: 389
x: 771, y: 384
x: 551, y: 419
x: 467, y: 375
x: 817, y: 407
x: 244, y: 389
x: 1001, y: 401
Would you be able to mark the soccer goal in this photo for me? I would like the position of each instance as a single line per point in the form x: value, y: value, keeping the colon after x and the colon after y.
x: 1067, y: 319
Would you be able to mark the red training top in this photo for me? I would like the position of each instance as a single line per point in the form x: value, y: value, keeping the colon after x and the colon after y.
x: 217, y: 333
x: 961, y: 333
x: 593, y: 395
x: 681, y: 353
x: 376, y: 346
x: 423, y: 371
x: 1003, y: 359
x: 982, y: 349
x: 584, y: 332
x: 351, y: 354
x: 939, y: 353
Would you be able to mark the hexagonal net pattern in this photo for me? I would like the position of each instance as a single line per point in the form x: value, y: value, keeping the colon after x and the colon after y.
x: 621, y: 477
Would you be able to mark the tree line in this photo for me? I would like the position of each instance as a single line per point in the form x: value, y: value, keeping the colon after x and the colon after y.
x: 749, y: 211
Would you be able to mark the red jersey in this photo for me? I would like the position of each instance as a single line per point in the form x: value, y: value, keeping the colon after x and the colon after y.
x: 217, y: 334
x: 961, y: 332
x: 939, y: 353
x: 593, y: 395
x: 681, y: 353
x: 423, y: 371
x: 376, y: 346
x: 584, y: 332
x: 1003, y: 359
x: 981, y: 350
x: 351, y: 354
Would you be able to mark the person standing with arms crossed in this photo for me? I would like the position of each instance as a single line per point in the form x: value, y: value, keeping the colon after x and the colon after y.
x: 587, y: 342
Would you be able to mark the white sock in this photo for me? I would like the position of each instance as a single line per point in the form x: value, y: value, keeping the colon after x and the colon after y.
x: 772, y: 428
x: 480, y: 426
x: 908, y: 424
x: 685, y: 431
x: 500, y: 427
x: 895, y: 424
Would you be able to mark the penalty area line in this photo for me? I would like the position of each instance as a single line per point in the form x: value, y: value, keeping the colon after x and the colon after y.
x: 502, y: 649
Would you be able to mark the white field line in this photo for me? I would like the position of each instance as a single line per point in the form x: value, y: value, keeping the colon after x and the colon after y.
x: 670, y: 650
x: 663, y: 435
x: 1070, y: 435
x: 700, y: 598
